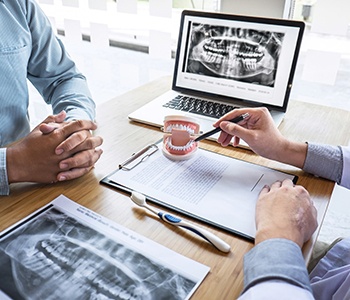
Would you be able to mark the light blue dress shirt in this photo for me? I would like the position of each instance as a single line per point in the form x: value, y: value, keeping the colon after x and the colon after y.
x: 30, y: 50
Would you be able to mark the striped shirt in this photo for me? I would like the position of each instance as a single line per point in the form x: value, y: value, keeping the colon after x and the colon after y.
x: 30, y: 50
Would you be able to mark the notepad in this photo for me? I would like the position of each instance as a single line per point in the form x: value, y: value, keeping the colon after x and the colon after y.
x: 210, y: 187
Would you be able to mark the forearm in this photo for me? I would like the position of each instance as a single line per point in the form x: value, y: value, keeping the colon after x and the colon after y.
x: 74, y: 97
x: 291, y: 153
x: 321, y: 160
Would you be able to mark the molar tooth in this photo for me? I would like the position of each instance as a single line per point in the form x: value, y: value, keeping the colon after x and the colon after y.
x: 44, y: 243
x: 49, y: 261
x: 47, y: 272
x: 40, y: 255
x: 49, y: 248
x: 124, y: 295
x: 101, y: 297
x: 115, y: 290
x: 56, y: 268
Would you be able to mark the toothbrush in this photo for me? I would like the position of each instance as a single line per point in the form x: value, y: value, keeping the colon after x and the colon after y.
x: 140, y: 200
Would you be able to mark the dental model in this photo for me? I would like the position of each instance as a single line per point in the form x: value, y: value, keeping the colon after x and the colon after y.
x: 179, y: 135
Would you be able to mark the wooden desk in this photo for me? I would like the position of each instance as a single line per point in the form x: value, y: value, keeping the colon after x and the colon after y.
x: 305, y: 122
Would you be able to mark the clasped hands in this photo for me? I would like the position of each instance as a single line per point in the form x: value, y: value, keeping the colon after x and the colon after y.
x: 56, y: 150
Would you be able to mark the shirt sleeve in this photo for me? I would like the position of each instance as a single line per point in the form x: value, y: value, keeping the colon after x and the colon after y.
x: 276, y: 260
x: 53, y: 73
x: 330, y: 162
x: 4, y: 186
x: 325, y: 161
x: 345, y: 178
x: 273, y: 290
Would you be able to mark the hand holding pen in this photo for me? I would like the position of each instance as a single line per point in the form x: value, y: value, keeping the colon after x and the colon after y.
x: 218, y: 129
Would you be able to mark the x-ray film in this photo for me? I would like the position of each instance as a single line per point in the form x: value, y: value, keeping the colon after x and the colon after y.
x: 66, y: 251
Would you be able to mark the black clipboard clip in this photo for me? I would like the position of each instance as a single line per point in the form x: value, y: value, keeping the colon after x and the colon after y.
x: 138, y: 157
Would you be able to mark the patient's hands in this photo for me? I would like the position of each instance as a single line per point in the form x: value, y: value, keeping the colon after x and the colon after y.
x: 285, y: 211
x: 54, y: 151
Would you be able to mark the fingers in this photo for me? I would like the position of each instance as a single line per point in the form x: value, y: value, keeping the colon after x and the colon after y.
x: 79, y: 164
x: 78, y: 146
x: 277, y: 184
x: 82, y: 159
x: 72, y: 141
x: 47, y: 128
x: 76, y: 133
x: 73, y: 173
x: 59, y: 118
x: 231, y: 130
x: 227, y: 133
x: 285, y: 210
x: 76, y: 126
x: 51, y: 122
x: 232, y: 114
x: 79, y: 141
x: 264, y: 190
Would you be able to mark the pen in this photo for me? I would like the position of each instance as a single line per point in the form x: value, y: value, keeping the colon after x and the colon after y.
x: 216, y: 130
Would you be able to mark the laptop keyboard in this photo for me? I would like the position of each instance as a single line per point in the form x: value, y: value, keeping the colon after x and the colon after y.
x: 199, y: 106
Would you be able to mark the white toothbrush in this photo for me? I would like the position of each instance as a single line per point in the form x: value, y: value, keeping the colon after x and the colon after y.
x: 140, y: 200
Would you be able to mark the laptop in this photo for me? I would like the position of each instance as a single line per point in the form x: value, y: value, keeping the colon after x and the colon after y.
x: 225, y: 61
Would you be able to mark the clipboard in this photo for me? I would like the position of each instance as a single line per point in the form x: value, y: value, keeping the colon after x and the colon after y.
x: 213, y: 188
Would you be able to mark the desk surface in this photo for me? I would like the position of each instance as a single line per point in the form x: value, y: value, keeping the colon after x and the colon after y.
x: 304, y: 122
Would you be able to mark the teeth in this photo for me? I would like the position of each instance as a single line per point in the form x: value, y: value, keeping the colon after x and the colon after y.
x: 180, y: 148
x: 250, y: 63
x: 55, y: 261
x: 57, y: 257
x: 218, y: 51
x: 180, y: 127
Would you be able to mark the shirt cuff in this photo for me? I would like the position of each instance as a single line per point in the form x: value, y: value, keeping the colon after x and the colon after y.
x: 275, y: 259
x: 4, y: 185
x: 77, y: 114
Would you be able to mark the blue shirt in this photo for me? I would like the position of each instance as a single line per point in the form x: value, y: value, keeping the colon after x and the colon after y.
x: 30, y: 50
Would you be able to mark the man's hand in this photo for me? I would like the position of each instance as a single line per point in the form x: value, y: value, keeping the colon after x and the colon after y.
x: 39, y: 157
x: 285, y: 211
x: 81, y: 146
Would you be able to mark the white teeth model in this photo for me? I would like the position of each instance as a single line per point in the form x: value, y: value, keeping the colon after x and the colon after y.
x: 181, y: 127
x: 179, y: 148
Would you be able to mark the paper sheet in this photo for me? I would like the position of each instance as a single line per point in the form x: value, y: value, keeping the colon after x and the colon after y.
x: 212, y: 187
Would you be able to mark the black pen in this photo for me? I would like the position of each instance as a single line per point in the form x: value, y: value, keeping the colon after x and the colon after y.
x: 216, y: 130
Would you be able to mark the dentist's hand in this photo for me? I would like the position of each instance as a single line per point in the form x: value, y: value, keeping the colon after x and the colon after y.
x: 260, y: 133
x: 285, y: 210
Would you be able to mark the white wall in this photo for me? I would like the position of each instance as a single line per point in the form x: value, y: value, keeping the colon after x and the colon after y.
x: 262, y: 8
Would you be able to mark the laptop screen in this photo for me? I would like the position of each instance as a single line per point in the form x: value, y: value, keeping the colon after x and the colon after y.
x: 237, y: 57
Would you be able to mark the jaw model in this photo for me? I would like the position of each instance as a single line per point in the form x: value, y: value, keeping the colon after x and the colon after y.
x: 178, y: 139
